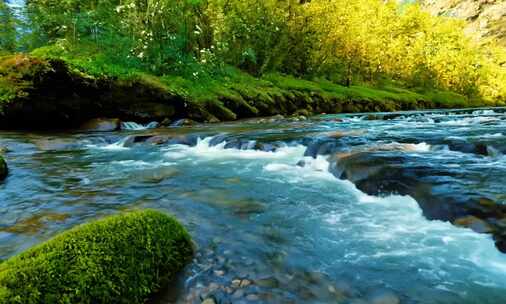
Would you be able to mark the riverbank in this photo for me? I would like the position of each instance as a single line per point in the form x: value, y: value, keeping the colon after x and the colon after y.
x: 45, y: 93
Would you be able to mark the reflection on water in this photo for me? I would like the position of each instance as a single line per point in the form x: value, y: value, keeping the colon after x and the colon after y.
x: 272, y: 223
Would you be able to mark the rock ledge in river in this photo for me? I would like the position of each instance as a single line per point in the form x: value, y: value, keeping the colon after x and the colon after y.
x: 102, y: 125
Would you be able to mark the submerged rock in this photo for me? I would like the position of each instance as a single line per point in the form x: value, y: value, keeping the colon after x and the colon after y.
x: 102, y: 125
x: 56, y: 144
x: 158, y: 139
x: 4, y: 170
x: 383, y: 297
x: 468, y: 147
x: 474, y: 223
x: 183, y: 123
x: 209, y: 301
x: 322, y: 146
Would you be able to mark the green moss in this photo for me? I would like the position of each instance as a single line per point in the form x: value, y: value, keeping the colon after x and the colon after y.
x: 119, y: 259
x: 205, y: 96
x: 446, y: 99
x: 89, y: 59
x: 17, y: 74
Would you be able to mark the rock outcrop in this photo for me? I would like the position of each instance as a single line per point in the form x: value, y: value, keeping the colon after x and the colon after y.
x: 487, y: 18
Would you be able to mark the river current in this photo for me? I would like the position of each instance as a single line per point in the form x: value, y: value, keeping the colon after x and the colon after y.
x: 288, y: 211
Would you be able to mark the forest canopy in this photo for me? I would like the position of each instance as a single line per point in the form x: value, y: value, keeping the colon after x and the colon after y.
x: 347, y: 42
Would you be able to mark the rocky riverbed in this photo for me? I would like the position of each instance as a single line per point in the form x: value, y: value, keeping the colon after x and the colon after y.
x: 372, y: 208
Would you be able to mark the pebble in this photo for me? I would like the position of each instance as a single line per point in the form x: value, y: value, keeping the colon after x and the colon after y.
x: 384, y: 297
x: 268, y: 282
x: 209, y: 301
x: 236, y: 283
x: 219, y: 273
x: 245, y: 283
x: 239, y: 293
x: 213, y: 287
x: 252, y: 297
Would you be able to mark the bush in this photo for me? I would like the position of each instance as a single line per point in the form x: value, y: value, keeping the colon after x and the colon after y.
x: 3, y: 168
x: 119, y: 259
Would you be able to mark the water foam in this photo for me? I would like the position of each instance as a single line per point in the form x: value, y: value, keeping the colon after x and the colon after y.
x: 387, y: 220
x: 133, y: 126
x: 203, y: 148
x: 396, y: 223
x: 484, y: 112
x: 467, y: 121
x: 140, y: 164
x: 116, y: 146
x: 392, y: 226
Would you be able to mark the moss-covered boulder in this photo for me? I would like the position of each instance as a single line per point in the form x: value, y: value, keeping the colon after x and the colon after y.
x: 3, y: 168
x: 119, y: 259
x: 48, y: 93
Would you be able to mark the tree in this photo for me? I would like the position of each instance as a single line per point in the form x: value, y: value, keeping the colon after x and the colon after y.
x: 8, y: 28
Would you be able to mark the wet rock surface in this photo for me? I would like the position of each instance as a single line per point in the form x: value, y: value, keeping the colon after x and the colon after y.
x: 442, y: 192
x: 4, y: 170
x: 101, y: 125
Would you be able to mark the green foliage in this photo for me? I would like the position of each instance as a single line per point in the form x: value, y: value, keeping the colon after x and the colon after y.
x: 8, y: 28
x: 18, y: 73
x: 193, y: 43
x: 367, y: 39
x: 119, y: 259
x: 251, y: 34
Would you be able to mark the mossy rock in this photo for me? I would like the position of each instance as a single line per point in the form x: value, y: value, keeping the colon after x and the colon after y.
x: 217, y: 109
x: 4, y: 170
x: 119, y: 259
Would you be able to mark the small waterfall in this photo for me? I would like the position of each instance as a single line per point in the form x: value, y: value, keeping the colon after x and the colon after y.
x: 133, y: 126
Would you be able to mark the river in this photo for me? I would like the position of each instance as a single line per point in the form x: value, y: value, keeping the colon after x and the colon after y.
x: 275, y: 206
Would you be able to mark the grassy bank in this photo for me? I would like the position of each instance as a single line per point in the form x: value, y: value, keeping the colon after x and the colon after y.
x: 61, y: 91
x: 119, y: 259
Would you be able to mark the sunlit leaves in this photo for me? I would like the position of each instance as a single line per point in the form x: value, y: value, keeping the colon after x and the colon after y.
x: 345, y: 41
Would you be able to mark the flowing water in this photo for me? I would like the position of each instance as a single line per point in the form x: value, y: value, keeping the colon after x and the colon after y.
x: 263, y: 201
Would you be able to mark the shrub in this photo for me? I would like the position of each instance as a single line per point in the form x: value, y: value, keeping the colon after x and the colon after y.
x: 119, y: 259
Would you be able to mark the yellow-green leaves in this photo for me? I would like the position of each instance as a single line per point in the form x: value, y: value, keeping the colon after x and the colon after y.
x: 365, y: 39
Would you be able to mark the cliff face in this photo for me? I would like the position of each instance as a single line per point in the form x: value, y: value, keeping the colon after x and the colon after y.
x: 487, y: 18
